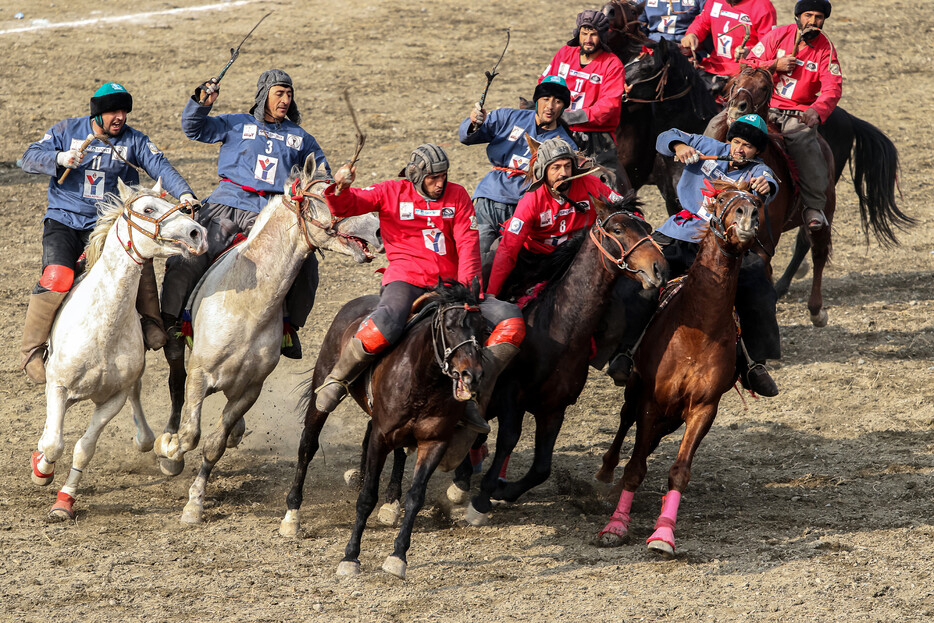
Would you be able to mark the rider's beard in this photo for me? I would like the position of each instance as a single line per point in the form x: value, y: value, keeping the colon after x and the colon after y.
x: 562, y: 185
x: 808, y: 33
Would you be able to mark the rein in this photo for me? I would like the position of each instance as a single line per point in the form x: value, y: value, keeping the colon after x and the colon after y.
x: 620, y: 262
x: 662, y: 75
x: 294, y: 200
x: 128, y: 212
x: 442, y: 351
x: 716, y: 221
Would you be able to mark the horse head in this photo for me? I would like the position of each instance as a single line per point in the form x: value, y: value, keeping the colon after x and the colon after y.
x: 351, y: 236
x: 624, y: 238
x: 735, y: 220
x: 748, y: 92
x: 457, y: 334
x: 146, y: 225
x: 645, y: 73
x: 625, y: 34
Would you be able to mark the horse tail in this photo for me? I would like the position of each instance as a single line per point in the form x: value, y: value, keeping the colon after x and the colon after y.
x: 306, y: 396
x: 874, y: 168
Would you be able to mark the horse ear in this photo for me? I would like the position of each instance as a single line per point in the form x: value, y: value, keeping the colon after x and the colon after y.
x: 158, y: 187
x: 310, y: 167
x: 533, y: 144
x: 123, y: 191
x: 600, y: 204
x: 322, y: 170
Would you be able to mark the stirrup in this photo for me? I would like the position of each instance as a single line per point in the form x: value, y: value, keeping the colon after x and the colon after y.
x: 620, y: 369
x: 336, y: 400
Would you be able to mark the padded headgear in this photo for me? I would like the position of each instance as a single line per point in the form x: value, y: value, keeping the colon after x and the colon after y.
x: 750, y: 128
x: 592, y: 19
x: 554, y: 86
x: 268, y: 79
x: 426, y: 160
x: 821, y: 6
x: 109, y: 97
x: 550, y: 151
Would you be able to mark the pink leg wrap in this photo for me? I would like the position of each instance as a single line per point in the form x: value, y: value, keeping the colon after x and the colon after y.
x: 502, y: 472
x: 619, y: 522
x: 665, y: 526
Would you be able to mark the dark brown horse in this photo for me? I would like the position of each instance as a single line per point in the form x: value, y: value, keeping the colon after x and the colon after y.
x: 549, y: 373
x: 872, y: 157
x: 441, y: 349
x: 684, y: 364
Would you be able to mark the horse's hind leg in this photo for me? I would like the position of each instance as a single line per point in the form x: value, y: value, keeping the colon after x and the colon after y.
x: 144, y: 438
x: 52, y: 442
x: 307, y: 448
x: 353, y: 477
x: 430, y: 454
x: 63, y: 509
x: 390, y: 511
x: 214, y: 449
x: 820, y: 252
x: 627, y: 415
x: 366, y: 502
x: 459, y: 490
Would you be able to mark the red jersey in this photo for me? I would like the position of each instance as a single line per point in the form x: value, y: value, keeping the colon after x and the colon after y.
x: 724, y: 23
x: 596, y: 87
x: 815, y: 82
x: 541, y: 222
x: 424, y: 239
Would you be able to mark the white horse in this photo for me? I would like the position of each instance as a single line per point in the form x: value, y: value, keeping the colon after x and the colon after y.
x: 96, y: 348
x: 237, y: 317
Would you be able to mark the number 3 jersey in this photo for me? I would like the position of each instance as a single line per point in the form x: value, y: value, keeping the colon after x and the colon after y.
x: 596, y: 87
x: 255, y: 157
x: 542, y: 222
x: 74, y: 201
x: 424, y: 240
x: 815, y: 82
x: 725, y: 23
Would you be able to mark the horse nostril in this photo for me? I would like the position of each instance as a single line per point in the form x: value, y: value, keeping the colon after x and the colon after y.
x: 195, y: 234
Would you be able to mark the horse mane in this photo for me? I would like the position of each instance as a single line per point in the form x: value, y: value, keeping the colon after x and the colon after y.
x: 728, y: 184
x: 109, y: 210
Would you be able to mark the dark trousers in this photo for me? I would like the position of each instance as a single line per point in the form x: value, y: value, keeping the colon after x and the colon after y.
x: 61, y: 246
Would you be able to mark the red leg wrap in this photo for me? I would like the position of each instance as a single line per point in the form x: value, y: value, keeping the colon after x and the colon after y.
x: 509, y: 331
x: 373, y: 341
x: 57, y: 278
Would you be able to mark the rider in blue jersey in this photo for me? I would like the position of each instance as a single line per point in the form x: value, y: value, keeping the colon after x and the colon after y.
x: 669, y: 18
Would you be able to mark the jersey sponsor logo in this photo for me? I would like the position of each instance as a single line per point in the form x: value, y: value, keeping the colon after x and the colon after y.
x: 708, y: 166
x: 759, y: 50
x: 473, y: 223
x: 265, y: 169
x: 434, y: 241
x: 155, y: 151
x: 565, y: 211
x: 666, y: 24
x: 811, y: 66
x: 652, y: 3
x: 45, y: 137
x: 563, y: 69
x: 294, y: 141
x: 687, y: 2
x: 94, y: 184
x: 596, y: 78
x: 249, y: 130
x: 545, y: 219
x: 835, y: 69
x: 580, y: 74
x: 515, y: 225
x: 519, y: 162
x: 516, y: 133
x: 614, y: 197
x: 555, y: 240
x: 406, y: 210
x: 447, y: 212
x: 424, y: 212
x: 577, y: 100
x: 785, y: 86
x: 715, y: 9
x: 744, y: 18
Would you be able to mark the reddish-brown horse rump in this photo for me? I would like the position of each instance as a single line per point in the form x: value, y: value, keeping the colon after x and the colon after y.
x: 550, y: 371
x: 872, y: 157
x: 442, y: 351
x: 685, y: 363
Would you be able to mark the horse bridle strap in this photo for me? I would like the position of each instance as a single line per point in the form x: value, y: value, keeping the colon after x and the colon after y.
x: 443, y: 352
x: 662, y: 74
x: 128, y: 211
x: 716, y: 220
x: 620, y: 262
x: 295, y: 201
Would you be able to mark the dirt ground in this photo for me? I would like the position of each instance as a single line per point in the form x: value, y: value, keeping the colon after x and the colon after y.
x: 814, y: 505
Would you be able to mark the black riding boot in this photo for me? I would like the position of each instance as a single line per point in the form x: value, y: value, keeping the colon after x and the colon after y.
x: 752, y: 374
x: 353, y: 360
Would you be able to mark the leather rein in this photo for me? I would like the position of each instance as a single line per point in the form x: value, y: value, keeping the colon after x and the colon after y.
x: 620, y: 262
x: 129, y: 214
x: 442, y: 350
x: 295, y: 200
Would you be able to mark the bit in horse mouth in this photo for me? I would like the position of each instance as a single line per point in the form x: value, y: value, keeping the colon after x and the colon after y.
x: 363, y: 246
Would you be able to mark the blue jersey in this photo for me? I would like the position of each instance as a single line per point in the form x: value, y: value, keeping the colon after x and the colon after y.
x: 504, y: 129
x: 254, y: 155
x: 670, y: 18
x: 74, y: 202
x: 692, y: 181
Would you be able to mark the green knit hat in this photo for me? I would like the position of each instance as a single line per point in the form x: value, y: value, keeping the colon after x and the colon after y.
x: 109, y: 97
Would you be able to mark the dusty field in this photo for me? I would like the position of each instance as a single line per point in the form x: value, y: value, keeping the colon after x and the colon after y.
x: 815, y: 505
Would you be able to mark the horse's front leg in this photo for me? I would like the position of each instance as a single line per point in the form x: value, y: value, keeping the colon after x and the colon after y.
x: 627, y: 415
x: 52, y: 442
x: 390, y: 511
x: 547, y: 427
x: 366, y: 502
x: 172, y: 446
x: 430, y: 454
x: 510, y: 429
x: 697, y: 423
x: 307, y: 448
x: 144, y: 438
x: 820, y: 252
x: 214, y: 449
x: 459, y: 490
x: 63, y: 509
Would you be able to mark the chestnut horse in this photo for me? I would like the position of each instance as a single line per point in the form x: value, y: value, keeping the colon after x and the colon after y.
x: 548, y: 374
x: 872, y: 156
x: 408, y: 394
x: 684, y: 364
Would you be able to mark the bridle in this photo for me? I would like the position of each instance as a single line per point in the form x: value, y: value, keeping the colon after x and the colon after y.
x: 295, y: 200
x: 736, y: 91
x: 661, y: 75
x: 128, y: 214
x: 716, y: 220
x: 442, y: 351
x: 627, y: 26
x: 598, y: 229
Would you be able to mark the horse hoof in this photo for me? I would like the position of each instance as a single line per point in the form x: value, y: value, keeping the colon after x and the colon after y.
x: 63, y: 509
x: 237, y: 433
x: 820, y: 318
x: 171, y: 468
x: 605, y: 477
x: 353, y: 478
x: 145, y: 444
x: 38, y: 476
x: 192, y: 514
x: 348, y: 567
x: 456, y: 495
x: 389, y: 513
x: 396, y: 566
x: 476, y: 518
x: 290, y: 527
x: 661, y: 547
x: 167, y: 446
x: 609, y: 539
